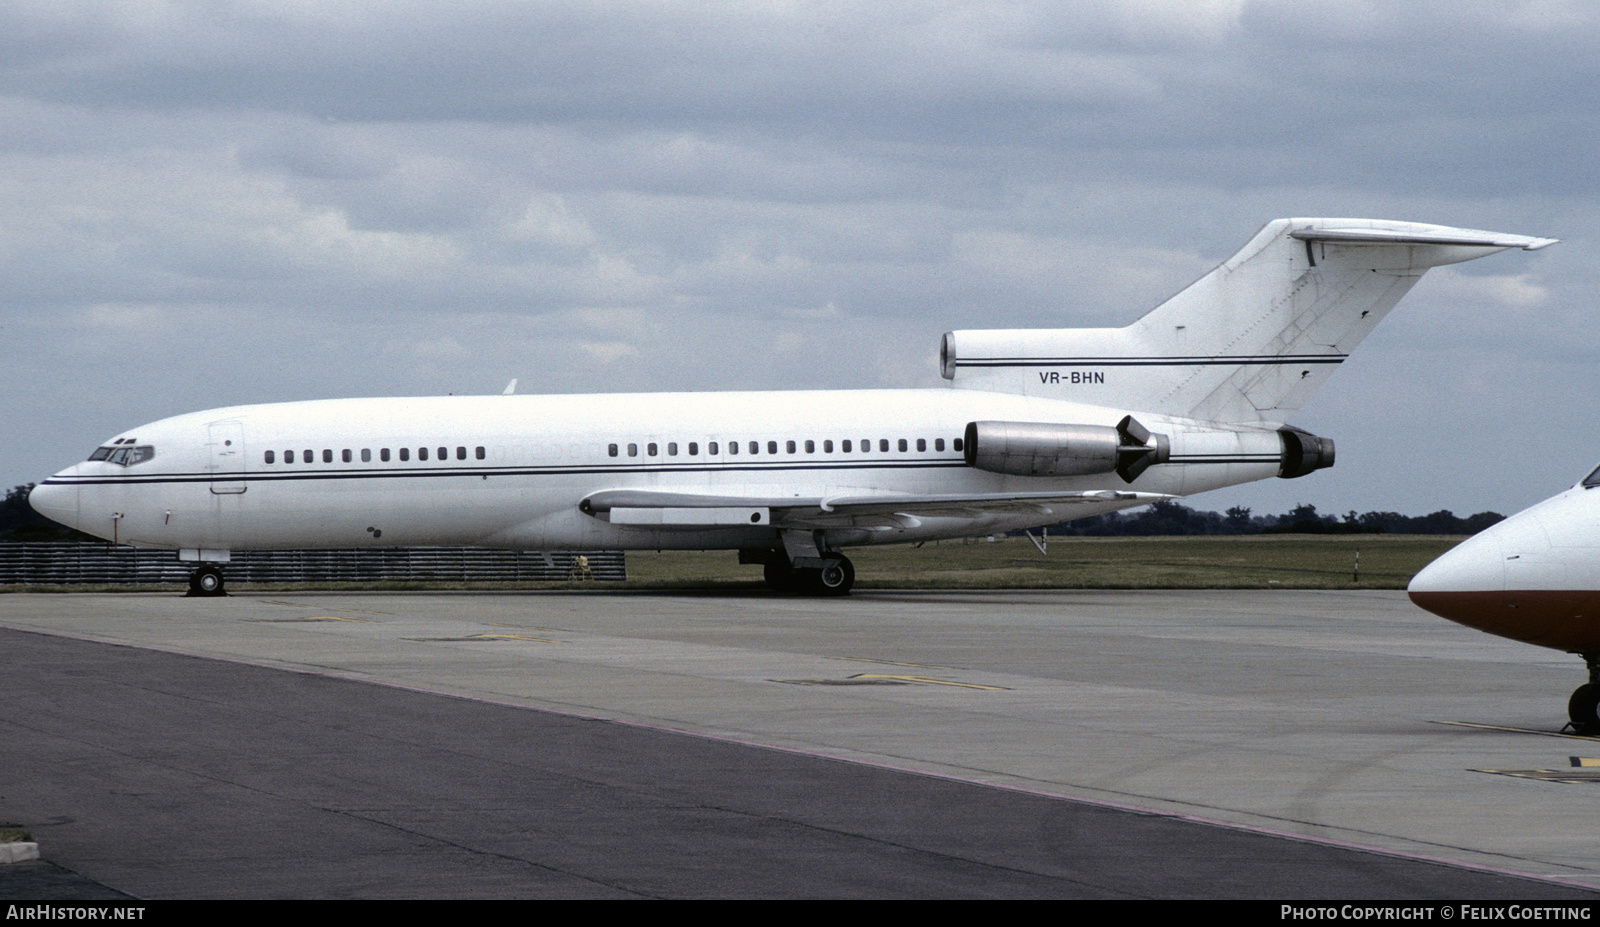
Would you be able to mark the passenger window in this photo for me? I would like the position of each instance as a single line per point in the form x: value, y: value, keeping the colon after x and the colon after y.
x: 366, y: 455
x: 480, y: 452
x: 270, y: 457
x: 651, y: 449
x: 672, y: 448
x: 711, y: 448
x: 922, y: 444
x: 383, y: 454
x: 938, y: 444
x: 694, y: 449
x: 308, y: 456
x: 902, y: 445
x: 461, y: 453
x: 811, y: 447
x: 955, y: 445
x: 633, y: 450
x: 788, y: 446
x: 772, y: 447
x: 733, y: 447
x: 444, y: 453
x: 422, y: 453
x: 883, y: 444
x: 755, y: 447
x: 845, y: 445
x: 611, y: 450
x: 405, y: 453
x: 346, y: 456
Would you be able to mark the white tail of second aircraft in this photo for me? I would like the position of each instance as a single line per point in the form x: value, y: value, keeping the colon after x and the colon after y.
x: 1246, y: 343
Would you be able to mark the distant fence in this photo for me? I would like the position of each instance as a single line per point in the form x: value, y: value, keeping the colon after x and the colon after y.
x: 72, y: 564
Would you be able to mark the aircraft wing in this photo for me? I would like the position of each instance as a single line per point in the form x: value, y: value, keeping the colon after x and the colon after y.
x: 848, y: 509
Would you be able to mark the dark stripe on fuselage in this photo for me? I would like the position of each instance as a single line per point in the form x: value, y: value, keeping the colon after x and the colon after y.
x: 370, y: 473
x: 256, y: 476
x: 1243, y: 360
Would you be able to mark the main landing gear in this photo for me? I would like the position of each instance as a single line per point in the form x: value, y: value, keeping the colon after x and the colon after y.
x: 830, y: 574
x: 1583, y: 709
x: 207, y: 580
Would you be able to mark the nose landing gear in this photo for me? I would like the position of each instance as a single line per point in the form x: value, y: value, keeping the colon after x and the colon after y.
x: 1583, y: 709
x: 207, y: 580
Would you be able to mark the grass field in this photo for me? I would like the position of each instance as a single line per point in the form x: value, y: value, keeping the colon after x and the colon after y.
x: 1251, y: 562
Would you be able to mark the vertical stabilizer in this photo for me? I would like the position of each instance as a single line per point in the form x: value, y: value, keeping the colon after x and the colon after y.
x: 1247, y: 342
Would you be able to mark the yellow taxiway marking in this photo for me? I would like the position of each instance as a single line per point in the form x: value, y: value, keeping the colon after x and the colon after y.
x: 880, y: 679
x: 1545, y: 775
x: 486, y: 637
x: 1581, y: 764
x: 893, y: 663
x: 312, y: 618
x: 1519, y: 730
x: 925, y: 680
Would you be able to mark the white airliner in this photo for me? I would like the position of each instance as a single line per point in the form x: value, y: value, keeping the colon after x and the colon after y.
x: 1040, y: 426
x: 1534, y: 577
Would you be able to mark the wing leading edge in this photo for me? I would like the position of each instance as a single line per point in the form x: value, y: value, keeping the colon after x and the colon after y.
x: 648, y: 508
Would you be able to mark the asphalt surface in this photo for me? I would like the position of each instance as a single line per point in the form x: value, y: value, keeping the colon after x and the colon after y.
x: 612, y: 747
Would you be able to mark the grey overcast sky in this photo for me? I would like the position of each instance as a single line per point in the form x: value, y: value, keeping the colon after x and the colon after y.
x: 212, y: 203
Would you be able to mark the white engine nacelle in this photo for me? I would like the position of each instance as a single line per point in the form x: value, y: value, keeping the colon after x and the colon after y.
x: 1066, y: 449
x: 1055, y: 449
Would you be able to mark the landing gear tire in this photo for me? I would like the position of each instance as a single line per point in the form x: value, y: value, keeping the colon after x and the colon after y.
x: 835, y: 578
x: 207, y: 581
x: 1584, y: 709
x: 779, y: 573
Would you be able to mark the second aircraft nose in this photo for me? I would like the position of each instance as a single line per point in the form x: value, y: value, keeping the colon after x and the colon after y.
x: 1475, y: 565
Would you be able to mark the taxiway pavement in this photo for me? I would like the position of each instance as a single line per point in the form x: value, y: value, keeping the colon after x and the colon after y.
x: 380, y: 745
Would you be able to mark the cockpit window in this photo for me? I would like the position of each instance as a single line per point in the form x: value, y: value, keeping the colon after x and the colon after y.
x: 124, y: 456
x: 1592, y: 480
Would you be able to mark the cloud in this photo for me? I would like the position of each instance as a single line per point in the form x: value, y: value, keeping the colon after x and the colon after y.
x: 248, y: 201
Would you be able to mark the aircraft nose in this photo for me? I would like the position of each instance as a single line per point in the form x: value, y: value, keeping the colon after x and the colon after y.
x: 55, y: 502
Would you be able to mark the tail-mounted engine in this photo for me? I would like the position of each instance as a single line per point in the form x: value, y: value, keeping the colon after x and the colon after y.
x: 1303, y: 452
x: 1051, y: 449
x: 1055, y: 449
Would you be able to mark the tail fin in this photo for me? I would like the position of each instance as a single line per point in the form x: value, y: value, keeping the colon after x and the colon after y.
x: 1249, y: 341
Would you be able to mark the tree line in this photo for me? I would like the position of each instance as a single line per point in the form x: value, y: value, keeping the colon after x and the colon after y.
x: 1174, y: 518
x: 19, y: 522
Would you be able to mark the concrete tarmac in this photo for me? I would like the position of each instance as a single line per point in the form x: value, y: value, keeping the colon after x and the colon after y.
x: 996, y: 744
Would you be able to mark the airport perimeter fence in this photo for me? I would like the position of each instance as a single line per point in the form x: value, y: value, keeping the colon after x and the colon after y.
x: 78, y: 564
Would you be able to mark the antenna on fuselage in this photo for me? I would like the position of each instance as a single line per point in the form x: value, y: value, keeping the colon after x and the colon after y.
x: 510, y: 387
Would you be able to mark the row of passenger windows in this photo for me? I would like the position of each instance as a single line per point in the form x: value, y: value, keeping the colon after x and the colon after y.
x: 847, y: 446
x: 348, y: 456
x: 651, y: 449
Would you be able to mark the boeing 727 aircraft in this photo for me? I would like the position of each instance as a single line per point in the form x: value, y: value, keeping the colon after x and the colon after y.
x: 1535, y: 578
x: 1039, y: 426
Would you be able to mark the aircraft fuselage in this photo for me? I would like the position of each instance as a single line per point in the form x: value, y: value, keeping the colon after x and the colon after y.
x: 510, y: 471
